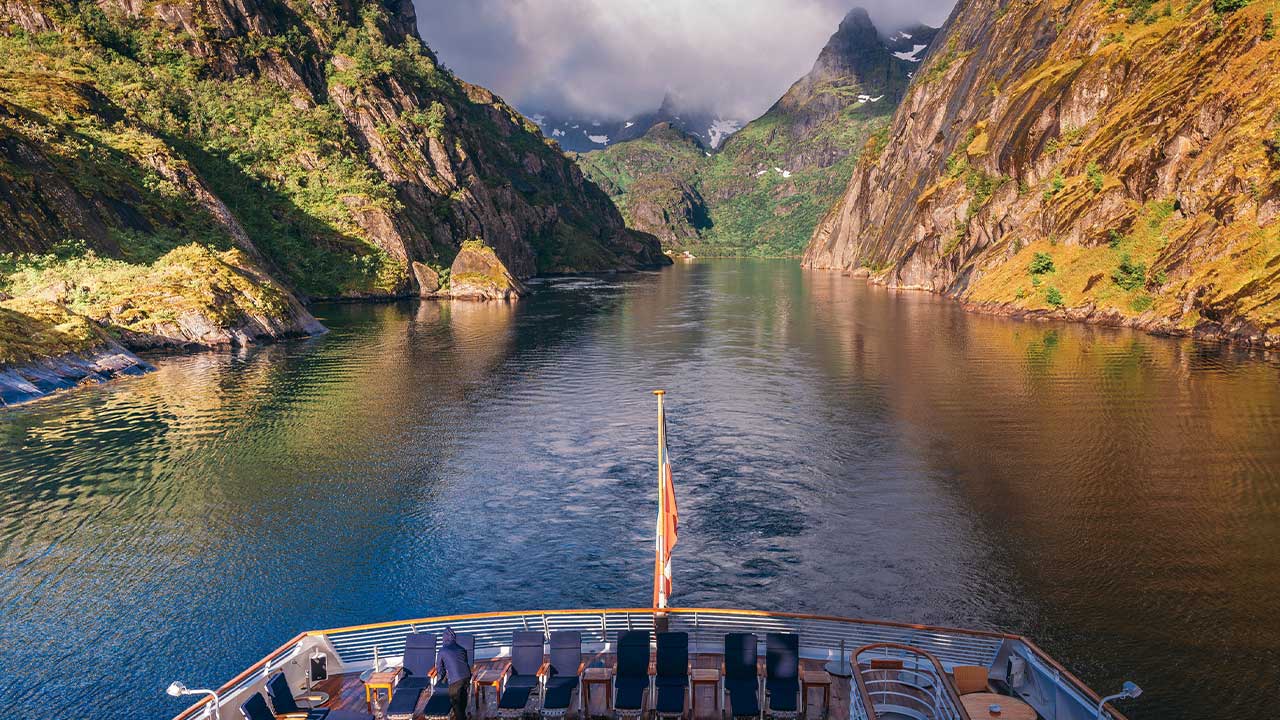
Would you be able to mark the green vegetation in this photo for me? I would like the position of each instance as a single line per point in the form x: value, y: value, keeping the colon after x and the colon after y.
x: 1041, y: 264
x: 1129, y: 275
x: 1053, y: 296
x: 761, y: 197
x: 1096, y: 178
x: 1268, y: 27
x: 138, y: 297
x: 1229, y: 6
x: 1056, y: 185
x: 31, y: 329
x: 291, y: 175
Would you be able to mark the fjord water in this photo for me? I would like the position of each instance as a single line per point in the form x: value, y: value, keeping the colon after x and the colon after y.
x: 837, y: 449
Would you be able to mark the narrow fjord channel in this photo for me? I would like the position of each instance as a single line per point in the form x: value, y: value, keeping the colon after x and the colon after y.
x: 838, y: 449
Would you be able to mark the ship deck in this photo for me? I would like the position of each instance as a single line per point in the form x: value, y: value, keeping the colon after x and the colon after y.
x: 346, y: 691
x: 1026, y: 677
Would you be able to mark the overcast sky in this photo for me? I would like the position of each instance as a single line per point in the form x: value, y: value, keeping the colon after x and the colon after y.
x: 616, y: 58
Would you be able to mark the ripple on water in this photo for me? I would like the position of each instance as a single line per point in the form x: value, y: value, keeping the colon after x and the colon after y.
x: 837, y: 449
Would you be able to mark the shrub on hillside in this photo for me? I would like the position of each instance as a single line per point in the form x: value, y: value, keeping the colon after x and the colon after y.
x: 1228, y: 6
x: 1130, y: 275
x: 1053, y: 296
x: 1040, y: 264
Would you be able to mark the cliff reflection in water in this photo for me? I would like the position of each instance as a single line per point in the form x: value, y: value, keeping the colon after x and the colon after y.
x: 837, y: 449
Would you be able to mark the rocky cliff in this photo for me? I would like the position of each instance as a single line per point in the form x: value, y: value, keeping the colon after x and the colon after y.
x: 1116, y: 161
x: 179, y: 171
x: 770, y: 183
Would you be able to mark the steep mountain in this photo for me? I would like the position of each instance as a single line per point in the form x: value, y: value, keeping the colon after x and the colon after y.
x: 770, y: 183
x: 1107, y: 160
x: 576, y: 133
x: 177, y: 172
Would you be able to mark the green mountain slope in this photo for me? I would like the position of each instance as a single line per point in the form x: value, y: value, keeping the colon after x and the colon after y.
x: 1117, y: 162
x: 770, y: 183
x: 266, y: 148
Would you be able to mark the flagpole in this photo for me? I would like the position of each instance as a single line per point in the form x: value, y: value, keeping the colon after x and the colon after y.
x: 659, y: 599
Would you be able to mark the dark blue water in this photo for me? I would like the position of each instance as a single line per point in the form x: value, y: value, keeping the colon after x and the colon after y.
x: 837, y: 448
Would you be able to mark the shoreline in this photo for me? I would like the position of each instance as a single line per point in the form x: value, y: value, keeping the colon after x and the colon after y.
x: 1238, y: 335
x: 25, y: 383
x: 39, y: 379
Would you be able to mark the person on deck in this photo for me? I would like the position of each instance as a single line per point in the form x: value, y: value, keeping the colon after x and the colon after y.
x: 454, y: 668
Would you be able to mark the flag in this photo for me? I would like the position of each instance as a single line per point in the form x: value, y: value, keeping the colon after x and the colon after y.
x: 667, y: 517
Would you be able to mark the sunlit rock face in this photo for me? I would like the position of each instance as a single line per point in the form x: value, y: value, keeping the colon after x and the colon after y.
x: 187, y: 173
x: 1134, y: 147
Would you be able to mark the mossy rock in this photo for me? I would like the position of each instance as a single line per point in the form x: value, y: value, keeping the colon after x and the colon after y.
x: 478, y: 274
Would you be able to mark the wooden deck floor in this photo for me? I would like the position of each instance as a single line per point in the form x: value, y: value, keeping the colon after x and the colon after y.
x: 347, y: 692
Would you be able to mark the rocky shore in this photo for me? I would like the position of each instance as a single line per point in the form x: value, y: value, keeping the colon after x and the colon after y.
x: 31, y: 381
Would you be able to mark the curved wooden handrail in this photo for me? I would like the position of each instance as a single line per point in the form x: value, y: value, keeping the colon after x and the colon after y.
x: 933, y: 660
x: 191, y: 711
x: 673, y: 611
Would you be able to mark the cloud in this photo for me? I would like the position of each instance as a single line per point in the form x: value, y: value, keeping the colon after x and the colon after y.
x: 615, y: 58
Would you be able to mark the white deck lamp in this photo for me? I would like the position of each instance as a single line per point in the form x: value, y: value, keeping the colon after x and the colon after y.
x: 1128, y: 691
x: 177, y: 689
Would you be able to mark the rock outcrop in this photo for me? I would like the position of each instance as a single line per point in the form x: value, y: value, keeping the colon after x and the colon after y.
x: 44, y: 348
x: 183, y: 173
x: 1108, y: 161
x: 766, y: 188
x: 478, y: 274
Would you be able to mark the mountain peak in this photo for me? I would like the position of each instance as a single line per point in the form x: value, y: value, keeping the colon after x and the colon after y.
x: 857, y: 20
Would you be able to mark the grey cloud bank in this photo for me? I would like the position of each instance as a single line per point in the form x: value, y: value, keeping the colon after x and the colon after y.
x: 616, y: 58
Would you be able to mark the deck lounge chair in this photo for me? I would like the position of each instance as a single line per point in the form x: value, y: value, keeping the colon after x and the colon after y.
x: 522, y: 678
x: 438, y: 705
x: 419, y: 661
x: 741, y: 679
x: 782, y: 674
x: 563, y: 673
x: 283, y: 704
x: 631, y: 673
x: 671, y: 681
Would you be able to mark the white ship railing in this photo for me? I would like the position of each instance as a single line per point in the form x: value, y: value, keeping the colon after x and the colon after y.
x: 918, y: 687
x: 352, y: 649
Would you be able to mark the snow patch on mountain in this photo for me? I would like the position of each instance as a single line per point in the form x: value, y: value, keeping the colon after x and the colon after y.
x: 913, y: 56
x: 722, y: 129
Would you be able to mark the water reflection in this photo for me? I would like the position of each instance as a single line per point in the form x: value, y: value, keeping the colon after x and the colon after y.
x: 838, y: 449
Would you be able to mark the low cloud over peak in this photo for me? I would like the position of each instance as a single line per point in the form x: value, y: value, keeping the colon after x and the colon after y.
x: 617, y: 58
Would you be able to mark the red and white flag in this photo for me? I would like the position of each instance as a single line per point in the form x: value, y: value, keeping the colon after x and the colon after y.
x: 668, y: 520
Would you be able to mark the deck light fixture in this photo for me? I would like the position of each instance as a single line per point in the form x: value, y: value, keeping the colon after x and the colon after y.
x: 1129, y: 690
x: 178, y: 689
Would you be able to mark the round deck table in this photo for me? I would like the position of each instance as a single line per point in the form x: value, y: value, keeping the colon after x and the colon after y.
x: 979, y: 704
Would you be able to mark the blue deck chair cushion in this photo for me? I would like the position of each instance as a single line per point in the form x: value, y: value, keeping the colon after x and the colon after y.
x: 741, y: 679
x: 744, y: 696
x: 564, y: 659
x: 630, y: 692
x: 631, y: 673
x: 526, y: 659
x: 419, y: 660
x: 438, y: 704
x: 515, y: 697
x: 782, y: 668
x: 405, y: 700
x: 559, y: 692
x: 670, y: 699
x: 282, y: 699
x: 255, y: 708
